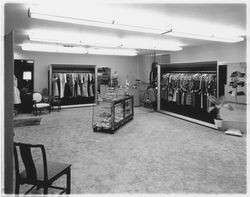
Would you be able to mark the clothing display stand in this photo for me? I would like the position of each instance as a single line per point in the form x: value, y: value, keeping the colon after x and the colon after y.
x: 74, y: 85
x: 112, y: 113
x: 184, y: 89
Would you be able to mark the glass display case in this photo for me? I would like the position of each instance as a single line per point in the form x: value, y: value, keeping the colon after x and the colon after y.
x: 110, y: 114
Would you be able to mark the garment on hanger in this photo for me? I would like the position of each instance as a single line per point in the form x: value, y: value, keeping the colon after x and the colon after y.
x: 85, y: 85
x: 90, y: 86
x: 67, y: 87
x: 62, y: 81
x: 78, y: 82
x: 17, y: 99
x: 55, y: 85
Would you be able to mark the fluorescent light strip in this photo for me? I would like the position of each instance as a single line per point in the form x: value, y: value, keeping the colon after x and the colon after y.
x: 102, y: 41
x: 45, y: 15
x: 111, y: 24
x: 52, y: 48
x: 204, y: 37
x: 86, y: 42
x: 76, y: 50
x: 152, y: 47
x: 122, y: 52
x: 52, y: 40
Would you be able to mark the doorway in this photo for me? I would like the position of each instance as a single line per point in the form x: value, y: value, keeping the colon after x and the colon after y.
x: 24, y: 72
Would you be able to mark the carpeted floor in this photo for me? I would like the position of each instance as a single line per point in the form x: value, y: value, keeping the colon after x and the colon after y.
x: 154, y: 153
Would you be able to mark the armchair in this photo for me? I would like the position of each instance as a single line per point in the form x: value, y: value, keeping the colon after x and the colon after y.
x: 39, y: 103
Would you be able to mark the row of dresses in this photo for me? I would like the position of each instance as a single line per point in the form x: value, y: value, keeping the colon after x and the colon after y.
x: 189, y: 89
x: 190, y: 82
x: 70, y: 85
x: 197, y: 100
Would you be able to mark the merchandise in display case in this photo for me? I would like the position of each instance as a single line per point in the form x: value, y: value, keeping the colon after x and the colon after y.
x: 110, y: 114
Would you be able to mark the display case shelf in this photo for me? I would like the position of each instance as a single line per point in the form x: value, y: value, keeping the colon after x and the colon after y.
x: 109, y: 115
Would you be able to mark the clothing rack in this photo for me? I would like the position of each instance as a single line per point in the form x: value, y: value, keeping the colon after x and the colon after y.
x: 78, y: 93
x: 72, y: 71
x: 187, y: 98
x: 207, y: 72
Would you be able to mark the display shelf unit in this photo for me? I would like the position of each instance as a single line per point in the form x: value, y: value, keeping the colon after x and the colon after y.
x: 79, y: 100
x: 190, y: 112
x: 110, y: 115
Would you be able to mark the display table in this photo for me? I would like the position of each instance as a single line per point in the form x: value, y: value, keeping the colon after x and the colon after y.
x: 109, y: 115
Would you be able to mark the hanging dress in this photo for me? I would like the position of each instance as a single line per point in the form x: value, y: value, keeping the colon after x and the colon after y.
x: 85, y: 85
x: 78, y: 86
x: 55, y: 85
x: 17, y: 99
x: 62, y: 80
x: 90, y: 86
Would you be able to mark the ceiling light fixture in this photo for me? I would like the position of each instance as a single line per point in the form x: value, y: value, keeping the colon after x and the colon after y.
x: 77, y: 50
x: 151, y: 44
x: 53, y: 39
x: 204, y: 37
x: 119, y: 23
x: 112, y: 24
x: 103, y: 51
x: 152, y: 47
x: 100, y: 41
x: 53, y: 48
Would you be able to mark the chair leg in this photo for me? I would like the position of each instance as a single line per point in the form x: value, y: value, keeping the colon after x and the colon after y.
x: 45, y: 189
x: 68, y: 181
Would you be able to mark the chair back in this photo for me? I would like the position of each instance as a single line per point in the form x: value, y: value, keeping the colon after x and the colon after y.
x: 37, y: 97
x: 27, y: 159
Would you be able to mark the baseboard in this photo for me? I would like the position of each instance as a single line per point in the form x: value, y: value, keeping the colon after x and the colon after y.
x: 79, y: 105
x: 206, y: 124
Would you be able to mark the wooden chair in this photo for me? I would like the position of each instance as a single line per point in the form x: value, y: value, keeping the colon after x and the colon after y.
x: 55, y: 102
x: 40, y: 103
x: 40, y: 175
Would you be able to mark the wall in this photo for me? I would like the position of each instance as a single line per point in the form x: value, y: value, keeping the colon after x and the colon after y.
x: 125, y: 65
x: 229, y: 52
x: 145, y: 61
x: 232, y: 67
x: 8, y: 115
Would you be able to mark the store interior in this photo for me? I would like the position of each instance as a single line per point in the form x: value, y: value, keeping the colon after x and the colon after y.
x: 129, y: 97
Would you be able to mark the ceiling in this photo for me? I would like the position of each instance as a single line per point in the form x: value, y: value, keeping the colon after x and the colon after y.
x: 221, y: 16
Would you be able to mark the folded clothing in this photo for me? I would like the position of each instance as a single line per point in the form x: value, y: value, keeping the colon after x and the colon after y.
x: 234, y: 132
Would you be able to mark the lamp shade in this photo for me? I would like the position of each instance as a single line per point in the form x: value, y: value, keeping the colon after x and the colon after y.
x: 26, y: 75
